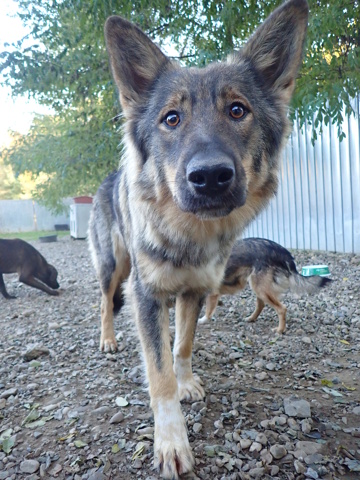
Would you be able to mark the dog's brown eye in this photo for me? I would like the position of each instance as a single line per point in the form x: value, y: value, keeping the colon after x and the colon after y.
x: 172, y: 119
x: 237, y: 111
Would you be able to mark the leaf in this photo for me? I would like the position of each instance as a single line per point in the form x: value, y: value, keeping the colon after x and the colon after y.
x: 351, y: 389
x: 33, y: 415
x: 121, y: 402
x: 36, y: 424
x: 6, y: 434
x: 7, y: 444
x: 327, y: 383
x: 63, y: 439
x: 140, y: 447
x: 115, y: 448
x: 80, y: 444
x: 345, y: 342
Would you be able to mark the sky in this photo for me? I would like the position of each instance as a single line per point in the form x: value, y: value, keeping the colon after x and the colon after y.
x: 16, y: 114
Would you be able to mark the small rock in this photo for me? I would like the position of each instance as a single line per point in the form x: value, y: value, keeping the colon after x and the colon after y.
x: 9, y: 393
x: 261, y: 376
x: 299, y: 467
x: 117, y: 418
x: 35, y: 352
x: 314, y: 459
x: 310, y: 473
x: 306, y: 425
x: 197, y: 427
x: 29, y: 466
x: 295, y: 407
x: 356, y: 410
x: 274, y: 471
x: 306, y: 340
x: 270, y: 366
x: 2, y: 403
x: 245, y: 443
x: 278, y: 451
x: 261, y: 438
x: 256, y: 447
x: 309, y: 448
x: 197, y: 406
x: 257, y: 472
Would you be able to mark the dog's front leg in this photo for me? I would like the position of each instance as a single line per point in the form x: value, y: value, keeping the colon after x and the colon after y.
x: 188, y: 306
x: 172, y: 452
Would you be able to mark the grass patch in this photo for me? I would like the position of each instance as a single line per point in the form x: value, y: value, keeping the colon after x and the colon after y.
x: 30, y: 236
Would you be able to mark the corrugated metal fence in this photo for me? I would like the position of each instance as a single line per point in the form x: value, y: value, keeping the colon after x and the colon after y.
x: 318, y: 202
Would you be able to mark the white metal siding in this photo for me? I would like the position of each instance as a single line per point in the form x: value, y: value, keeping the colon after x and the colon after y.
x: 318, y: 202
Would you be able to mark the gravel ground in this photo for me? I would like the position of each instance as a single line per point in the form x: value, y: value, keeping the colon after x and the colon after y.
x: 279, y: 407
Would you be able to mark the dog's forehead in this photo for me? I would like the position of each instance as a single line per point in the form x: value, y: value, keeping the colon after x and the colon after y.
x: 217, y: 79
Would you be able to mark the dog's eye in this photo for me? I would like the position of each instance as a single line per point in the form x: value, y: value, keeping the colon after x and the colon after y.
x: 172, y: 119
x: 237, y: 111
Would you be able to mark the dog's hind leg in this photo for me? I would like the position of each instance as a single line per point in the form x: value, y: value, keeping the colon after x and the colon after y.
x: 258, y: 309
x: 210, y: 307
x: 3, y: 288
x: 172, y: 452
x: 188, y: 307
x: 112, y: 300
x: 280, y: 310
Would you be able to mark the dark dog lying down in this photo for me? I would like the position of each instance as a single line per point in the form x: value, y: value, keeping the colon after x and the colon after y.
x: 17, y: 256
x: 270, y: 270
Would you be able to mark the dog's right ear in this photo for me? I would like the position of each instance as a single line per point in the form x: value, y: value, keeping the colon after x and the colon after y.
x: 135, y: 60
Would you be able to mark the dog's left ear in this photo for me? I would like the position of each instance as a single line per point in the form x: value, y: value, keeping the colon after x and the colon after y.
x: 275, y: 49
x: 135, y: 60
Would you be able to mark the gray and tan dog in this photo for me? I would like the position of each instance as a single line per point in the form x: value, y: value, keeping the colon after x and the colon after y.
x: 270, y: 271
x: 200, y: 161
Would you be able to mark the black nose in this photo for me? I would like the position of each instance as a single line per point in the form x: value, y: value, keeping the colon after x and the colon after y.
x: 210, y: 179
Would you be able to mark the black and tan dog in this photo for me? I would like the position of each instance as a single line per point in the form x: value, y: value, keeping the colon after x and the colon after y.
x: 17, y: 256
x: 200, y: 160
x: 270, y: 271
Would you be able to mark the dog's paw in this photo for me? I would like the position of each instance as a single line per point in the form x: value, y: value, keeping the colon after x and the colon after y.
x: 278, y: 330
x: 203, y: 319
x: 172, y: 458
x: 250, y: 319
x: 191, y: 390
x: 108, y: 344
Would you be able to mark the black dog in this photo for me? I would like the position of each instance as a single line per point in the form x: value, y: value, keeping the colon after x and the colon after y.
x: 17, y: 256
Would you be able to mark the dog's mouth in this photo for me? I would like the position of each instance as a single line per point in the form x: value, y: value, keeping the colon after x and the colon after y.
x: 205, y: 207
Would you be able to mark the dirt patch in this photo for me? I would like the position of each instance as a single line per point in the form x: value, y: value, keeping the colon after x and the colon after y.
x: 60, y: 414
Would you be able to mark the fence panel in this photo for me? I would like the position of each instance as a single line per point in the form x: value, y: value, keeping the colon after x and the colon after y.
x: 318, y: 202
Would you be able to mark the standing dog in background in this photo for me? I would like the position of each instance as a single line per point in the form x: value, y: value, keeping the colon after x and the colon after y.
x: 270, y: 270
x: 18, y: 256
x: 200, y: 161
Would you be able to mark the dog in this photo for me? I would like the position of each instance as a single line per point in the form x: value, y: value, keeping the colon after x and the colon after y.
x: 270, y: 270
x: 200, y: 161
x: 18, y: 256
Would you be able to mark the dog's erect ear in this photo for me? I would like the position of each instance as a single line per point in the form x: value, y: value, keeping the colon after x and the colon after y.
x: 275, y: 49
x: 135, y: 60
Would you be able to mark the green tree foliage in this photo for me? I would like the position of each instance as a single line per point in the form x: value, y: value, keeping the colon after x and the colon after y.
x: 63, y: 64
x: 9, y: 186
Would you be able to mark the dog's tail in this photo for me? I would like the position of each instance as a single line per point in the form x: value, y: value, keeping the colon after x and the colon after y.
x: 301, y: 285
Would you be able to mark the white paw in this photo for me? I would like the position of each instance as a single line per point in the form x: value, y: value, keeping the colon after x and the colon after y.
x: 250, y: 319
x: 172, y: 452
x: 203, y: 319
x: 108, y: 344
x: 191, y: 389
